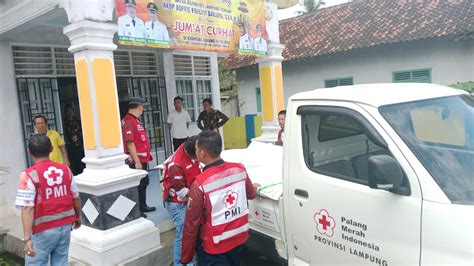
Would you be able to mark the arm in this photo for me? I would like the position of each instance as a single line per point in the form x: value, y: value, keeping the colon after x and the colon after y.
x: 76, y: 202
x: 27, y: 216
x: 222, y: 118
x: 251, y: 188
x: 65, y: 155
x: 188, y: 119
x: 192, y: 221
x: 198, y: 122
x: 77, y: 209
x: 169, y: 121
x: 133, y: 153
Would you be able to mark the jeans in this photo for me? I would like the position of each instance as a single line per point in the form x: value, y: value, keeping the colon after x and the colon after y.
x: 230, y: 258
x: 177, y: 212
x: 53, y: 242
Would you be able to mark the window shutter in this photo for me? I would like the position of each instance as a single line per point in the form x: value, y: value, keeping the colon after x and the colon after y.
x: 419, y: 75
x: 123, y: 66
x: 331, y: 83
x: 64, y: 62
x: 202, y: 66
x: 183, y: 65
x: 401, y: 76
x: 346, y: 82
x: 144, y: 64
x: 33, y: 61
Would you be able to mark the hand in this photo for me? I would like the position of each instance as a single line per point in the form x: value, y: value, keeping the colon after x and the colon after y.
x: 256, y: 185
x: 77, y: 223
x: 29, y: 251
x: 182, y: 193
x: 138, y: 166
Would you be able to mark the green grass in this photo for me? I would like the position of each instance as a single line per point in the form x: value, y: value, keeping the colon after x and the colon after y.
x: 7, y: 259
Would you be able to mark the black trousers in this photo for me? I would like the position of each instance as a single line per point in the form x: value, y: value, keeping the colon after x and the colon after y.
x: 231, y: 257
x: 75, y: 154
x: 144, y: 182
x: 178, y: 142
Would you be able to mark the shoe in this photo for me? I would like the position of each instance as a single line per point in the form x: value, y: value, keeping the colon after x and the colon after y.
x: 147, y: 209
x: 142, y: 215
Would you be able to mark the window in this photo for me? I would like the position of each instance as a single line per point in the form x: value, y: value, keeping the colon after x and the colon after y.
x: 338, y: 142
x: 417, y: 76
x: 440, y: 133
x: 258, y: 93
x: 193, y: 81
x: 329, y: 83
x: 336, y: 127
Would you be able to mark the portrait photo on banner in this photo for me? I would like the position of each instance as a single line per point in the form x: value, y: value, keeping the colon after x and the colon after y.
x: 223, y: 26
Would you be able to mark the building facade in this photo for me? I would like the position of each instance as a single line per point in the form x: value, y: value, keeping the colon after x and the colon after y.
x: 38, y: 77
x: 369, y: 42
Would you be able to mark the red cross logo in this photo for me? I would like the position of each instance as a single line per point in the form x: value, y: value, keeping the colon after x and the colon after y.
x: 53, y: 176
x: 325, y: 224
x: 257, y: 213
x: 230, y: 199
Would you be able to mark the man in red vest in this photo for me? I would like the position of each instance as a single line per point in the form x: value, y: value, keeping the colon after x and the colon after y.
x: 137, y: 145
x: 50, y: 204
x: 180, y: 171
x: 218, y: 204
x: 281, y: 122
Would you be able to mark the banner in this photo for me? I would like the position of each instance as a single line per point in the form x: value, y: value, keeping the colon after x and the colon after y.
x: 206, y: 25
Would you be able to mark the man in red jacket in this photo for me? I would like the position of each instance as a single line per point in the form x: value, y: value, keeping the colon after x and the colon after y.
x: 137, y: 146
x: 49, y: 201
x: 180, y: 171
x: 218, y: 204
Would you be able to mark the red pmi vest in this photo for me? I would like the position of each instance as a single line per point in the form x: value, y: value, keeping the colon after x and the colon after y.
x: 190, y: 168
x: 54, y: 200
x: 225, y: 199
x: 140, y: 139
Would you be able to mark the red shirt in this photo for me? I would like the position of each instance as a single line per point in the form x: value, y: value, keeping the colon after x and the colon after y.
x: 133, y: 131
x: 198, y: 212
x: 180, y: 172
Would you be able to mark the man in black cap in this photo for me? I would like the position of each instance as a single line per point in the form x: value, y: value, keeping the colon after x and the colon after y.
x: 154, y: 29
x: 130, y: 25
x: 137, y: 146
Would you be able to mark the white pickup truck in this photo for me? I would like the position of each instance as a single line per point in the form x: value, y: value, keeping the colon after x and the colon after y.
x: 379, y: 174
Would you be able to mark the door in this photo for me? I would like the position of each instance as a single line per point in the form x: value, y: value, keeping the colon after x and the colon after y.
x: 152, y: 90
x: 334, y: 216
x: 38, y: 96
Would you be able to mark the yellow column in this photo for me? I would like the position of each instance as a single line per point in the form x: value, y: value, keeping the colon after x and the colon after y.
x: 97, y: 90
x: 271, y: 84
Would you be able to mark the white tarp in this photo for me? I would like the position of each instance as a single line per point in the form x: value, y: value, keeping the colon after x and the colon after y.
x: 264, y: 166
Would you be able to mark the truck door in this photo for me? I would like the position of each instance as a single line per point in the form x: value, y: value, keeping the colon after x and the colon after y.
x: 335, y: 217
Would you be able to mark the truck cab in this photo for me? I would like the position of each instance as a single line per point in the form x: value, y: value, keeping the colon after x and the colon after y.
x: 379, y: 174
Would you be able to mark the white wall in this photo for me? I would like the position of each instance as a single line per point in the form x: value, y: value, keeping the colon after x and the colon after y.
x: 450, y: 62
x: 12, y: 153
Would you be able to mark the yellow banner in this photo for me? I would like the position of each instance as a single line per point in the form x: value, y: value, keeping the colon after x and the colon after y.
x: 208, y: 25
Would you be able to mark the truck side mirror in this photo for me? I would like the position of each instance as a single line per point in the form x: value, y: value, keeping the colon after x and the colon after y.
x: 384, y: 173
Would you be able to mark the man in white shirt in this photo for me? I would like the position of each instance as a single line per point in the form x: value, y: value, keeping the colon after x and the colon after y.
x: 245, y: 42
x: 178, y: 121
x: 260, y: 43
x: 154, y: 29
x: 130, y: 25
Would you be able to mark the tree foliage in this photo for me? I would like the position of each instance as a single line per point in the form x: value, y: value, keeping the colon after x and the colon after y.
x: 311, y: 5
x: 467, y: 86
